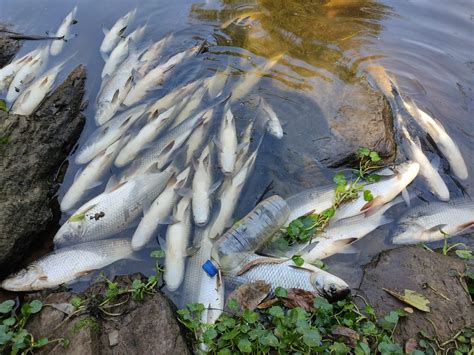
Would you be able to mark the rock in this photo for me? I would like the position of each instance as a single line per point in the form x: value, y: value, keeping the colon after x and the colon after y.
x: 32, y: 150
x: 148, y: 326
x: 415, y: 268
x: 8, y: 48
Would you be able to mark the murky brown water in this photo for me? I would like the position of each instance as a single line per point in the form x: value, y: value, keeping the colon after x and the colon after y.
x: 326, y: 45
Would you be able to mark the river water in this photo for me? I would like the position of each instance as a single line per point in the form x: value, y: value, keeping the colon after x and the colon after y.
x: 428, y: 46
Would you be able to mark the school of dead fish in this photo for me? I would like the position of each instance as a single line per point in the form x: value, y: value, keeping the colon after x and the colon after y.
x: 169, y: 149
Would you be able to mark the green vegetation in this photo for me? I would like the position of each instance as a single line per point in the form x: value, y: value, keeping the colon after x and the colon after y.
x: 3, y: 105
x: 14, y: 338
x: 304, y: 228
x: 339, y: 328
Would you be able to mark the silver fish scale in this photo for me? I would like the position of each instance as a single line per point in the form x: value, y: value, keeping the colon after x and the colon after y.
x: 152, y: 154
x: 438, y: 213
x: 66, y: 262
x: 277, y: 275
x: 114, y: 211
x: 306, y: 201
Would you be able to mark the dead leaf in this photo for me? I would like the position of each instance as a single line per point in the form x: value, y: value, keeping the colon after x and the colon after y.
x: 412, y: 298
x: 410, y: 346
x: 350, y: 336
x: 299, y: 298
x: 267, y: 303
x: 250, y: 295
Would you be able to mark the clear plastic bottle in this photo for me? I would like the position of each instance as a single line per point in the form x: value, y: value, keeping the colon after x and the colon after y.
x: 247, y: 235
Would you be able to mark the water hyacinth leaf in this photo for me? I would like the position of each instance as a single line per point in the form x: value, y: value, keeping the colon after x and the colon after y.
x: 250, y: 316
x: 42, y: 342
x: 298, y: 260
x: 363, y: 152
x: 9, y: 321
x: 339, y: 179
x: 233, y: 304
x: 312, y: 338
x: 276, y: 312
x: 362, y: 349
x: 465, y: 254
x: 76, y: 301
x: 3, y: 105
x: 244, y: 346
x: 6, y: 306
x: 374, y: 156
x: 281, y: 292
x: 412, y: 298
x: 368, y: 195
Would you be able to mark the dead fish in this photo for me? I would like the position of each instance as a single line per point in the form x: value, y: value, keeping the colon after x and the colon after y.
x: 273, y: 122
x: 227, y: 143
x: 113, y: 36
x: 63, y: 32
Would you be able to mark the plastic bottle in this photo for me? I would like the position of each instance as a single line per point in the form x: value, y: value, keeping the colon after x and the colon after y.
x: 247, y: 235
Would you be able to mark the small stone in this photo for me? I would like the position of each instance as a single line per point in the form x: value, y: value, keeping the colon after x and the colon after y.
x: 113, y: 337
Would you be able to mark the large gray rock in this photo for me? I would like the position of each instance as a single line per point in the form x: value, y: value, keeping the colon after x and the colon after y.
x: 415, y: 268
x: 8, y: 48
x: 141, y: 327
x: 32, y: 149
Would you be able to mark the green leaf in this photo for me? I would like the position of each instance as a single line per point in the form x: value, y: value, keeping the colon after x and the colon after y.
x: 42, y: 342
x: 368, y: 195
x: 6, y: 306
x: 339, y: 348
x: 362, y: 349
x: 339, y: 179
x: 281, y: 292
x: 392, y: 317
x: 137, y: 283
x: 250, y: 316
x: 270, y: 340
x: 390, y: 349
x: 26, y: 309
x: 311, y: 337
x: 363, y: 152
x: 157, y: 254
x: 225, y: 351
x: 323, y: 305
x: 372, y: 178
x: 412, y: 298
x: 77, y: 217
x: 76, y: 301
x: 233, y: 304
x: 374, y: 156
x: 329, y: 212
x: 276, y: 311
x: 3, y: 105
x: 244, y: 345
x: 9, y: 321
x: 465, y: 254
x: 298, y: 260
x: 209, y: 334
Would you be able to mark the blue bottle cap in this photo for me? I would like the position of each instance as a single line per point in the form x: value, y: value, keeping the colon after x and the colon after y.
x: 210, y: 268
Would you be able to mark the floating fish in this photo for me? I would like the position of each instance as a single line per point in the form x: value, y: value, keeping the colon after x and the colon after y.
x: 177, y: 241
x: 112, y: 211
x: 442, y: 139
x: 174, y: 97
x: 154, y: 78
x: 146, y: 135
x: 8, y: 72
x: 91, y: 175
x: 273, y: 122
x: 63, y: 33
x: 412, y: 148
x: 113, y: 36
x: 68, y: 264
x: 121, y: 51
x: 191, y: 105
x: 107, y: 134
x: 284, y: 273
x: 152, y: 54
x: 27, y: 73
x: 435, y: 221
x: 227, y: 143
x: 31, y: 97
x: 159, y: 211
x: 116, y: 88
x: 217, y: 82
x: 202, y: 187
x: 198, y: 136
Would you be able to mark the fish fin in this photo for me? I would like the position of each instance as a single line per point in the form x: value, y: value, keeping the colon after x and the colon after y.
x: 171, y: 181
x: 260, y: 261
x: 242, y: 145
x: 406, y: 197
x: 217, y: 143
x: 44, y: 82
x: 184, y: 191
x: 94, y: 185
x: 345, y: 247
x: 116, y: 187
x: 121, y: 31
x: 416, y: 139
x: 437, y: 228
x: 195, y: 163
x: 168, y: 148
x: 105, y: 58
x: 113, y: 181
x: 43, y: 278
x: 166, y: 221
x: 214, y: 187
x: 136, y: 74
x: 84, y: 273
x: 105, y: 30
x: 78, y: 172
x: 161, y: 242
x: 192, y: 250
x: 465, y: 226
x: 116, y: 95
x: 377, y: 201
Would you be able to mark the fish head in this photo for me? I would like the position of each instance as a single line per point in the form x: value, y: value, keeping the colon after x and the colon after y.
x: 69, y: 233
x: 275, y: 130
x: 329, y: 286
x: 406, y: 172
x: 29, y: 279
